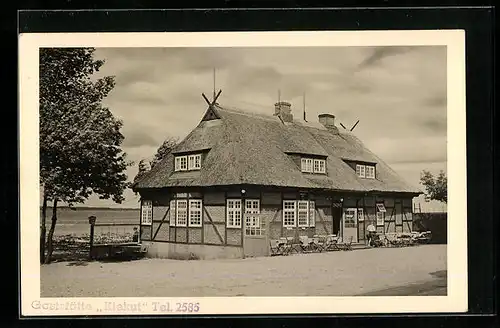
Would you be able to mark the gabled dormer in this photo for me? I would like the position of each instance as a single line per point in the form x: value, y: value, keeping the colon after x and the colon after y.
x: 363, y: 169
x: 314, y: 165
x: 188, y: 162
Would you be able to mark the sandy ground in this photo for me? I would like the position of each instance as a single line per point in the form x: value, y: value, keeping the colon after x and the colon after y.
x: 325, y: 274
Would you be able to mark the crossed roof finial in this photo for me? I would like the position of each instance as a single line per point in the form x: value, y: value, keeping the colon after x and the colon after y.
x: 214, y: 101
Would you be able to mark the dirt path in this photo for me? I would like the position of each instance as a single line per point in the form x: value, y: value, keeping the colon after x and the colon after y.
x: 326, y: 274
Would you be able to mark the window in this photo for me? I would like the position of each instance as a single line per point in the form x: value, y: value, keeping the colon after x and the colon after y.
x: 306, y: 165
x: 289, y: 213
x: 365, y: 171
x: 303, y: 213
x: 310, y: 165
x: 181, y: 213
x: 183, y: 163
x: 349, y: 218
x: 188, y: 163
x: 172, y: 213
x: 146, y: 212
x: 194, y: 162
x: 177, y: 164
x: 360, y: 170
x: 381, y: 207
x: 195, y: 213
x: 370, y: 172
x: 299, y: 213
x: 321, y: 166
x: 312, y: 210
x: 233, y: 207
x: 253, y: 225
x: 361, y: 217
x: 380, y: 214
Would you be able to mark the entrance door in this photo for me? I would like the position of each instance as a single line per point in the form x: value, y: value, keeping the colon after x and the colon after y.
x: 255, y: 241
x: 350, y: 225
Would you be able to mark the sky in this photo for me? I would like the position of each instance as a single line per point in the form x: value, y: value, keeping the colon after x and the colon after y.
x: 398, y: 94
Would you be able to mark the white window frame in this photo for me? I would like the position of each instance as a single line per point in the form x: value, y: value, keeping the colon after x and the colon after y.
x: 361, y: 215
x: 147, y: 212
x: 253, y: 224
x: 232, y: 211
x: 371, y: 169
x: 306, y: 165
x: 312, y: 213
x: 316, y: 165
x: 361, y: 170
x: 178, y: 209
x: 194, y: 162
x: 380, y: 214
x: 177, y: 163
x: 172, y: 212
x: 185, y: 161
x: 290, y: 210
x: 321, y: 166
x: 303, y: 210
x: 193, y: 208
x: 381, y: 207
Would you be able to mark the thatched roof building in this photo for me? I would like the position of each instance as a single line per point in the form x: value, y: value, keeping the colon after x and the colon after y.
x: 244, y: 148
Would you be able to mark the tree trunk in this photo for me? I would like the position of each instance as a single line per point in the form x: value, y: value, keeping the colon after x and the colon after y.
x: 43, y: 229
x: 51, y: 232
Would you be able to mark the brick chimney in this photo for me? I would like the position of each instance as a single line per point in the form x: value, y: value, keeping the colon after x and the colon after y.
x: 284, y: 111
x: 328, y: 121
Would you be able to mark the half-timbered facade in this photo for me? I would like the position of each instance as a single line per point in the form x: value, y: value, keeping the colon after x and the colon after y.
x: 240, y: 179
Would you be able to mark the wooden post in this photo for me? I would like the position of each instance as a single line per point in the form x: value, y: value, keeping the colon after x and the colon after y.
x: 92, y: 220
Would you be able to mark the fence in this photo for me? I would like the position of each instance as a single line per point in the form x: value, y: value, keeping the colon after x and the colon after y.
x: 434, y: 222
x: 108, y: 239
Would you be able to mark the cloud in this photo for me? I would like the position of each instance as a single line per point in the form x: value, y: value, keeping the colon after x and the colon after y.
x: 380, y: 53
x: 435, y: 125
x: 397, y: 93
x: 138, y: 138
x: 438, y: 100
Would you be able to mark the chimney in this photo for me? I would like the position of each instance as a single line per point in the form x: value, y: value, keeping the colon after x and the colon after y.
x: 328, y: 121
x: 284, y: 111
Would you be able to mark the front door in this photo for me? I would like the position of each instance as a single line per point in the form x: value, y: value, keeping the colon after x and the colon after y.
x: 350, y: 225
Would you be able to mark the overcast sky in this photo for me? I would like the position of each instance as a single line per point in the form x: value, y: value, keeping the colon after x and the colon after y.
x: 397, y: 93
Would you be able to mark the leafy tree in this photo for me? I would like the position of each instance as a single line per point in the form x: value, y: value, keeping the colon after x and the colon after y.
x: 165, y: 148
x: 143, y: 169
x: 80, y: 139
x: 436, y: 188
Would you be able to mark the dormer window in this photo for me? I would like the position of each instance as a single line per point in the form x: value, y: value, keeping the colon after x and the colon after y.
x: 188, y: 162
x: 313, y: 165
x: 365, y: 171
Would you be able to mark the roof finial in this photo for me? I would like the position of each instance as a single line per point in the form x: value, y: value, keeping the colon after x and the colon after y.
x: 214, y: 86
x: 304, y: 98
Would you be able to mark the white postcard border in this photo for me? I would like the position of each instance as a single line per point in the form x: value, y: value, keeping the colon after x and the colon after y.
x: 456, y: 300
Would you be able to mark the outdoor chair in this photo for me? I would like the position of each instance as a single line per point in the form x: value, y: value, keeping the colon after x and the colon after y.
x: 405, y: 239
x: 276, y: 247
x: 294, y: 245
x: 306, y: 244
x: 318, y: 243
x: 393, y: 240
x: 331, y: 243
x: 286, y: 247
x: 345, y: 245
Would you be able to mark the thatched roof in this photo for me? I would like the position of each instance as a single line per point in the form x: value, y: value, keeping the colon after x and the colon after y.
x: 249, y: 148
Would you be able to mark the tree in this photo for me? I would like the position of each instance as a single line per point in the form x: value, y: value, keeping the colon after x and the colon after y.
x: 80, y: 139
x: 436, y: 188
x: 143, y: 169
x: 165, y: 148
x: 162, y: 151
